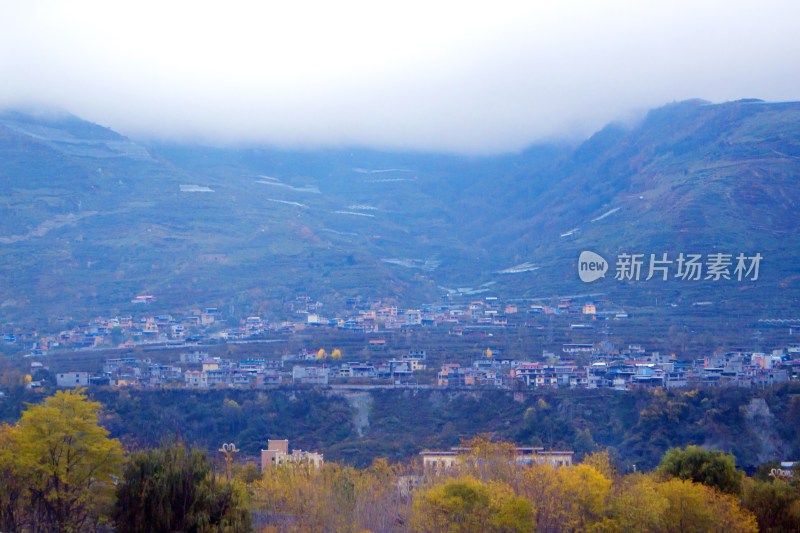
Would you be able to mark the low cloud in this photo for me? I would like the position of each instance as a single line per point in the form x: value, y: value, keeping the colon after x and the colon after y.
x: 448, y: 76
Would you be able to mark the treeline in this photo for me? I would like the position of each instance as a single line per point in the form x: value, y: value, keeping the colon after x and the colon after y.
x: 488, y: 491
x: 60, y: 471
x: 636, y: 427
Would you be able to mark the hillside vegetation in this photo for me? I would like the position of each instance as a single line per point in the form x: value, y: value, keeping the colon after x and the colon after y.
x: 636, y: 427
x: 89, y: 219
x: 61, y: 471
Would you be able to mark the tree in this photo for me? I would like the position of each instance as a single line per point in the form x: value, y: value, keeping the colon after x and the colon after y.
x: 173, y: 489
x: 68, y: 462
x: 712, y: 468
x: 299, y: 497
x: 600, y: 461
x: 585, y: 491
x: 566, y: 499
x: 13, y: 496
x: 584, y: 442
x: 637, y: 505
x: 775, y: 504
x: 697, y: 507
x: 466, y: 505
x: 486, y: 459
x: 383, y: 497
x: 117, y: 335
x: 642, y: 503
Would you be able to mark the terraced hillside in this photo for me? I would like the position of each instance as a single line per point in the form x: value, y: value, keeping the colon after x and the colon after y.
x: 89, y: 218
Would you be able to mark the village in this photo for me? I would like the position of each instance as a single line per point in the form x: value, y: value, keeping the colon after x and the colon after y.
x: 199, y: 326
x: 619, y: 371
x: 594, y: 363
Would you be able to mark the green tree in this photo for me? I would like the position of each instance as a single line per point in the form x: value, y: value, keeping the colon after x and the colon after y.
x: 117, y: 335
x: 712, y: 468
x: 68, y: 462
x: 173, y: 489
x: 583, y: 443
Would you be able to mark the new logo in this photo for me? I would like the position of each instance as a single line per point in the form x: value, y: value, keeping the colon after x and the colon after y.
x: 591, y: 266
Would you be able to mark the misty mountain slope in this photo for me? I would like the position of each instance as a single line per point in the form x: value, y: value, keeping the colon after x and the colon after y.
x: 425, y: 214
x: 691, y: 177
x: 91, y: 219
x: 99, y: 235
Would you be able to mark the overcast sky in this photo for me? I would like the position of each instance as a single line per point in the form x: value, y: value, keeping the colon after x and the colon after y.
x: 455, y: 76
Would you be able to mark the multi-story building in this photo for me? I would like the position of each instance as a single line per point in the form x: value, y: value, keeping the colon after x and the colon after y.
x: 277, y: 453
x: 72, y: 379
x: 438, y: 460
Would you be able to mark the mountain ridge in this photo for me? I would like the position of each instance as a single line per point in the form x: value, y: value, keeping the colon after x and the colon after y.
x: 259, y: 225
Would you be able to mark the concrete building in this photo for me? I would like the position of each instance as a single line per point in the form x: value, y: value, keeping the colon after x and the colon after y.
x: 72, y: 379
x: 310, y: 375
x: 277, y: 453
x: 442, y: 460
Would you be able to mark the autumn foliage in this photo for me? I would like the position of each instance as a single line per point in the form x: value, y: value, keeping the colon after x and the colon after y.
x: 488, y: 491
x: 58, y: 467
x: 59, y: 471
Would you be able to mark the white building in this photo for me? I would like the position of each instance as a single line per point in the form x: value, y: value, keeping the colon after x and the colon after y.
x: 72, y: 379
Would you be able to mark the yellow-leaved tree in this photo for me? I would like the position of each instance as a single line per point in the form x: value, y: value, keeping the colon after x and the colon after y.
x: 696, y: 507
x: 13, y: 501
x: 488, y: 460
x: 466, y: 504
x: 643, y: 503
x: 566, y: 498
x: 68, y: 462
x: 299, y: 497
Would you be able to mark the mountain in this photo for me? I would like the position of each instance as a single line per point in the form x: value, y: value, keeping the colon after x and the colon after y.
x: 692, y: 177
x: 90, y: 218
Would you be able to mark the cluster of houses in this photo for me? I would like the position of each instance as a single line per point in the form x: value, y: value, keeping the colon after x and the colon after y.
x: 201, y: 325
x: 128, y: 331
x: 631, y: 368
x: 195, y: 370
x: 186, y: 328
x: 606, y: 367
x: 399, y: 371
x: 198, y: 370
x: 489, y: 311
